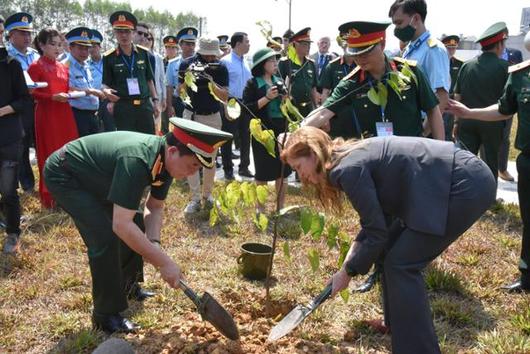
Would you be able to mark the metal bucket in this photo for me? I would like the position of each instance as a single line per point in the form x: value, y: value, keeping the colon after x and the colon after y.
x: 254, y: 260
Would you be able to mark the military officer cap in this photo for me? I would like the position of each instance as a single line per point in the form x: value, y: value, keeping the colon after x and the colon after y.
x: 80, y: 35
x: 188, y: 34
x: 170, y: 41
x: 301, y: 36
x: 123, y: 20
x: 362, y: 36
x: 21, y: 21
x: 451, y: 41
x: 288, y: 34
x: 97, y: 37
x: 203, y: 140
x: 274, y: 45
x: 223, y: 41
x: 493, y: 34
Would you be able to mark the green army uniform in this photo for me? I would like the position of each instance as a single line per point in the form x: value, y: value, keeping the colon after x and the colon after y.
x: 516, y: 99
x: 134, y: 110
x: 89, y: 175
x: 480, y: 84
x: 404, y: 113
x: 302, y: 77
x: 451, y: 41
x: 454, y: 67
x: 344, y: 124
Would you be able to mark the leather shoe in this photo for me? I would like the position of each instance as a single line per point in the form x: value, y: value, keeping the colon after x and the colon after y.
x: 113, y: 323
x: 505, y: 175
x: 245, y: 173
x: 369, y: 283
x: 517, y: 287
x: 137, y: 293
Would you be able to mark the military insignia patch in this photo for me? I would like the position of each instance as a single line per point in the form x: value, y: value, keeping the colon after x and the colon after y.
x: 353, y: 33
x: 121, y: 18
x: 24, y: 19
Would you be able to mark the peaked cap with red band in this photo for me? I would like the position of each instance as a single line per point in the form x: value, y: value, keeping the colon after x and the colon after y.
x: 123, y: 20
x: 301, y: 36
x: 200, y: 138
x: 493, y: 34
x: 362, y: 36
x: 451, y: 41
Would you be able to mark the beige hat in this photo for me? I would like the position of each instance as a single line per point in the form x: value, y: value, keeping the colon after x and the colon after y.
x: 209, y: 46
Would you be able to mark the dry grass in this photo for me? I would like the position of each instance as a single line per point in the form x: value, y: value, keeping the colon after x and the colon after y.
x: 45, y: 300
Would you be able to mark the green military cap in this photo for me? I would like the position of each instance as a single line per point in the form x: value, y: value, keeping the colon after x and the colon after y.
x: 123, y: 20
x: 451, y: 41
x: 80, y: 35
x: 493, y: 34
x: 301, y: 36
x: 170, y: 41
x: 21, y: 21
x: 203, y: 140
x: 362, y: 36
x: 223, y: 41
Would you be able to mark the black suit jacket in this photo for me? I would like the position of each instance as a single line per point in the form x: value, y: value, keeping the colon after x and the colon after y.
x: 404, y: 177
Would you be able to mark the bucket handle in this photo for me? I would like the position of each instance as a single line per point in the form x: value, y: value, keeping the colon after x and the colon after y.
x: 240, y: 259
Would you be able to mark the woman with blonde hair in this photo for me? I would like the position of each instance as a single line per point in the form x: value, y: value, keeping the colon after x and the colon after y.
x: 431, y: 190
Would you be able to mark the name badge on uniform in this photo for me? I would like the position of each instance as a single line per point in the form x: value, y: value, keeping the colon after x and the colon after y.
x: 133, y: 86
x: 384, y: 128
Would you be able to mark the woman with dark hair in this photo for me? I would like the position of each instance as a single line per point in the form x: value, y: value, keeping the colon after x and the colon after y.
x: 54, y: 120
x: 262, y: 96
x: 431, y: 190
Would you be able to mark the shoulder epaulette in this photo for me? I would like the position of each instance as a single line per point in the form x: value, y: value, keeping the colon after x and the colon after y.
x: 457, y: 58
x: 309, y: 59
x: 352, y: 73
x: 334, y: 60
x: 33, y: 50
x: 520, y: 66
x: 109, y: 52
x: 403, y: 61
x: 432, y: 42
x: 284, y: 58
x: 142, y: 47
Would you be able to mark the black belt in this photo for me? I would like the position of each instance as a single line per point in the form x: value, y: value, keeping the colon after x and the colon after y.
x: 85, y: 110
x: 134, y: 101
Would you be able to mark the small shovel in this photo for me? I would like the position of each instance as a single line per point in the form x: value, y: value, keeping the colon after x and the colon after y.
x: 297, y: 315
x: 211, y: 311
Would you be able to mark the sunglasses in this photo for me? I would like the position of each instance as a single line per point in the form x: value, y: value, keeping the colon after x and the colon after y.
x: 145, y: 34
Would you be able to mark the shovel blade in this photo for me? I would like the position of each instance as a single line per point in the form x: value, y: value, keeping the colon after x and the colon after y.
x: 217, y: 315
x: 289, y: 322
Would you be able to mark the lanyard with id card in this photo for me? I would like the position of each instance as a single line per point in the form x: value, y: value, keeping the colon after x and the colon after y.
x: 384, y: 128
x: 133, y: 85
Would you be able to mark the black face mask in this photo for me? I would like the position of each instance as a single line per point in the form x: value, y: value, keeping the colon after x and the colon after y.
x: 406, y: 33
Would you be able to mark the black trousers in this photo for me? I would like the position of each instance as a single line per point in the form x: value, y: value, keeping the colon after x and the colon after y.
x: 25, y: 172
x: 86, y: 121
x: 113, y: 265
x: 9, y: 163
x: 105, y: 118
x: 405, y: 298
x: 523, y: 189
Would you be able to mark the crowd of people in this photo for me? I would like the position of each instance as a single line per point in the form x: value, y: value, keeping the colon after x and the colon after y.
x: 103, y: 129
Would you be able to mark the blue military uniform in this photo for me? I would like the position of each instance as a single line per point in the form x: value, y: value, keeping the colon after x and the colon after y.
x: 80, y: 77
x: 22, y: 21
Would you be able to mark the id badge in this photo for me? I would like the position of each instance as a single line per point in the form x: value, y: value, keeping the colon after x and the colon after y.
x: 384, y: 128
x: 133, y: 86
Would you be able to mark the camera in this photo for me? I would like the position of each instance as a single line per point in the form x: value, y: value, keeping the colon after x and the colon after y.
x: 282, y: 89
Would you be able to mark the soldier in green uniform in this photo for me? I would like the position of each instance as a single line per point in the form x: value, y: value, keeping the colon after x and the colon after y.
x: 479, y: 84
x: 402, y: 114
x: 128, y: 79
x: 451, y: 43
x: 300, y: 72
x: 515, y: 99
x: 345, y: 124
x: 100, y: 180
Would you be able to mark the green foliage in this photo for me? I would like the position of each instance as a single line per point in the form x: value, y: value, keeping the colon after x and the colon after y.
x: 345, y: 294
x: 264, y: 137
x: 440, y: 280
x: 286, y: 250
x: 314, y: 259
x: 522, y: 321
x: 452, y: 312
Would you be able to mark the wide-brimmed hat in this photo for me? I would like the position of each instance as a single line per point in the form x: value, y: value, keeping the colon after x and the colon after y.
x: 209, y: 46
x: 261, y: 55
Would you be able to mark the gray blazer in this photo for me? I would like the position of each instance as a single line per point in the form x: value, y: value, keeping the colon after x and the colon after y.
x: 404, y: 177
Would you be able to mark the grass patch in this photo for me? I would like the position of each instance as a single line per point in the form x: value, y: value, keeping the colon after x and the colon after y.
x: 522, y: 321
x: 84, y: 341
x: 451, y: 311
x: 442, y: 280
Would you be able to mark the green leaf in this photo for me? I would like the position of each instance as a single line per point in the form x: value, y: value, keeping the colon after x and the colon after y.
x: 233, y: 194
x: 233, y: 109
x: 407, y: 71
x: 289, y: 209
x: 262, y: 193
x: 214, y: 216
x: 331, y: 240
x: 345, y: 295
x: 264, y: 137
x: 248, y: 190
x: 286, y: 250
x: 314, y: 259
x: 383, y: 94
x: 317, y: 225
x: 185, y: 97
x: 262, y: 222
x: 343, y: 251
x: 211, y: 86
x: 306, y: 219
x: 373, y: 96
x: 189, y: 80
x: 293, y: 111
x: 394, y: 85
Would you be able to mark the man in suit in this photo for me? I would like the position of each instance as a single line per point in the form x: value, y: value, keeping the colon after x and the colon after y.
x: 322, y: 58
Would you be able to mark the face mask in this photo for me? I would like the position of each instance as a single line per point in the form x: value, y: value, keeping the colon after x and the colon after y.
x: 406, y: 33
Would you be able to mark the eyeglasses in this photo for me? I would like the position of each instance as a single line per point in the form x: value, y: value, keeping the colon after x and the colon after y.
x: 145, y: 34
